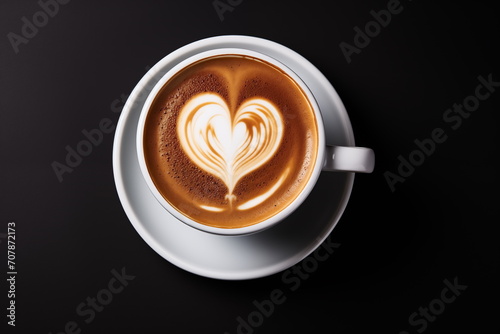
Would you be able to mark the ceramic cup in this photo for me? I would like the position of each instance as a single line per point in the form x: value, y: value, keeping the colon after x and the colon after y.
x: 328, y: 158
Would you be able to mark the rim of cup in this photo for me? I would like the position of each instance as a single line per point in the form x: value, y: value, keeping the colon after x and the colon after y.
x: 279, y: 216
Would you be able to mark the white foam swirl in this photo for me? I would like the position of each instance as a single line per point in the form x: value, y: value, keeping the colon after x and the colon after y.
x: 229, y: 145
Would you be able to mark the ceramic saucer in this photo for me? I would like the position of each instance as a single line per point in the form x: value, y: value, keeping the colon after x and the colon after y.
x: 234, y: 257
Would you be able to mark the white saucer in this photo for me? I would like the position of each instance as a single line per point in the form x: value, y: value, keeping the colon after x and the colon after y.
x: 234, y: 257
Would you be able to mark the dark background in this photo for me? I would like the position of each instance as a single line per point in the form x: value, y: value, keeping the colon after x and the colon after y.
x: 397, y: 247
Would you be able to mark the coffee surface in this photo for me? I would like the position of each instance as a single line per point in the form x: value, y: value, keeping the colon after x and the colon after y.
x: 230, y: 141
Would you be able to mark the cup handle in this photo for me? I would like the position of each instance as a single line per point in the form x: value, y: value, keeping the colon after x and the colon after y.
x: 349, y: 159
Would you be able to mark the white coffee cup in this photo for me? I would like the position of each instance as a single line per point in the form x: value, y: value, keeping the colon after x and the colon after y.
x: 328, y: 158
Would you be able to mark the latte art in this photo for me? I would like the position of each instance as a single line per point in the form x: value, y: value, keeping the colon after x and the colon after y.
x: 229, y: 145
x: 230, y: 141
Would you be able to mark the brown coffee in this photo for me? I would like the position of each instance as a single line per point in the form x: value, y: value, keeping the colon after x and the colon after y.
x: 230, y: 141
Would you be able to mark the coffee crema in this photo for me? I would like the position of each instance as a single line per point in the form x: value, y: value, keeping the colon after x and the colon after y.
x: 230, y: 141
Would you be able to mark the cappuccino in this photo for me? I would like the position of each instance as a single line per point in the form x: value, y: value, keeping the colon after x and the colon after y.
x: 230, y: 141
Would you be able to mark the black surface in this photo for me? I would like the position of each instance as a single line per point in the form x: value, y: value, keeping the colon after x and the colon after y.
x: 397, y: 247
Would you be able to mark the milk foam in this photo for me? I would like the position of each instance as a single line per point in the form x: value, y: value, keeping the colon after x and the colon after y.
x: 228, y: 144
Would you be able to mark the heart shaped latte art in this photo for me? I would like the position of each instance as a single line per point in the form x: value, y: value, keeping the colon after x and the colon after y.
x: 229, y: 145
